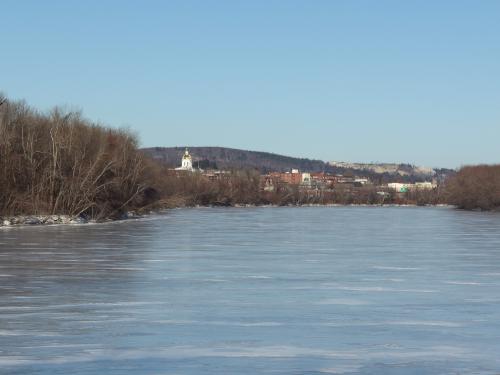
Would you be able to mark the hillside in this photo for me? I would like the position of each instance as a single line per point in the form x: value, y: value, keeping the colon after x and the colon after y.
x: 230, y: 158
x: 391, y: 168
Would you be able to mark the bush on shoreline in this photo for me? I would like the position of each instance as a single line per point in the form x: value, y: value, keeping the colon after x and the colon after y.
x: 61, y: 163
x: 475, y: 187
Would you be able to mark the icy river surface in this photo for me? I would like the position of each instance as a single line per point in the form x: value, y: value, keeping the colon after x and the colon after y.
x: 317, y: 290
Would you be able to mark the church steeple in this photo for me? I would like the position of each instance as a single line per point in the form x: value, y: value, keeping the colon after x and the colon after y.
x: 187, y: 161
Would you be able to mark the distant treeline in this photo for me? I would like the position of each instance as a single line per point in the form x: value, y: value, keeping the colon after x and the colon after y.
x: 61, y: 163
x: 243, y: 188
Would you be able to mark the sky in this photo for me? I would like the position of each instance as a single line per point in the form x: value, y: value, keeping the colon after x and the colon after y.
x: 362, y: 81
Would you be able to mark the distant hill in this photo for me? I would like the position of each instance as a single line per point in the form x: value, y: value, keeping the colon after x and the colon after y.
x: 391, y: 168
x: 230, y: 158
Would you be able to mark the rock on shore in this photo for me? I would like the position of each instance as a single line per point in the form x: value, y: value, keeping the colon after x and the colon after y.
x: 41, y: 219
x: 6, y: 221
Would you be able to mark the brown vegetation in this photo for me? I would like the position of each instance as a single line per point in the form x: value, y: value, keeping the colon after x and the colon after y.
x: 346, y: 195
x: 475, y: 187
x: 62, y: 163
x: 193, y: 189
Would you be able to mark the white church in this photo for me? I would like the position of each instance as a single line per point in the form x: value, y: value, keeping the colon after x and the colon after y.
x: 186, y: 162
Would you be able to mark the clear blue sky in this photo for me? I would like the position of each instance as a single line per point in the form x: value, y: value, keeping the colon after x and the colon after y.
x: 391, y: 81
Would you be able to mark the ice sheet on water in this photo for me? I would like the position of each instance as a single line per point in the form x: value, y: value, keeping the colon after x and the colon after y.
x: 289, y: 291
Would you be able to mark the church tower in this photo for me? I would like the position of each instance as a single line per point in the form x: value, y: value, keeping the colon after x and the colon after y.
x: 186, y: 162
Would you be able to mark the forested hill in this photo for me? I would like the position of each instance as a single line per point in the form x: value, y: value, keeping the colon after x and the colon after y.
x: 230, y: 158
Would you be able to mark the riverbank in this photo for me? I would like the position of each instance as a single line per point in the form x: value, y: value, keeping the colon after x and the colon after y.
x: 35, y: 220
x: 27, y: 220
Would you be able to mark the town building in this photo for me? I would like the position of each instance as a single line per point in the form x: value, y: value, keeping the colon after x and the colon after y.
x: 425, y: 185
x: 324, y: 180
x: 306, y: 179
x: 404, y: 188
x: 293, y: 178
x: 399, y: 187
x: 216, y: 175
x: 361, y: 181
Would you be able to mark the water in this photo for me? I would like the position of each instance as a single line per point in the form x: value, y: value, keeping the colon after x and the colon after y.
x: 340, y: 290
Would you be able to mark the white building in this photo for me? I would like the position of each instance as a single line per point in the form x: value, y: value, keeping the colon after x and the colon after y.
x: 186, y: 162
x: 425, y: 185
x: 306, y: 179
x: 403, y: 188
x: 400, y: 188
x: 361, y: 181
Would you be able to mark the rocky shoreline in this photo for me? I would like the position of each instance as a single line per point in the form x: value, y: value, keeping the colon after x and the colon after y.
x: 41, y: 220
x: 29, y: 220
x: 26, y: 220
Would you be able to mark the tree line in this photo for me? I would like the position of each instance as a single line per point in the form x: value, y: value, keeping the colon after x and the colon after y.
x: 62, y: 163
x: 475, y: 187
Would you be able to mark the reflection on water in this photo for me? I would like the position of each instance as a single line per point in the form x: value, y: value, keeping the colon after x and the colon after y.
x: 348, y: 290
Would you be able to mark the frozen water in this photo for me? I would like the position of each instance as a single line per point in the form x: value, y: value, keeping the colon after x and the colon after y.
x: 317, y: 290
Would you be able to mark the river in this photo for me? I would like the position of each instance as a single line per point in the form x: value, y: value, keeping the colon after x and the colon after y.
x: 311, y: 290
